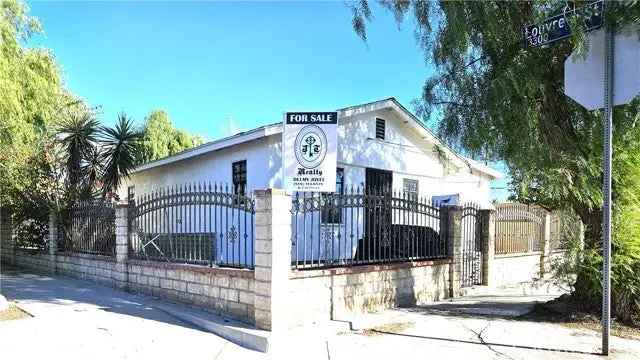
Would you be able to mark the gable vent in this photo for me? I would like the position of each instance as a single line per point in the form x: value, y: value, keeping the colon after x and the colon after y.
x: 380, y: 128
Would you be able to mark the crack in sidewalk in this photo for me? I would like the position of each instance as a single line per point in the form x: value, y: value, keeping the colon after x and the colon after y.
x: 480, y: 337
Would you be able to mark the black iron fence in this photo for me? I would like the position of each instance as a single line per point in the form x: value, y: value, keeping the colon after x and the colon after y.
x: 360, y: 227
x: 198, y: 223
x: 92, y: 227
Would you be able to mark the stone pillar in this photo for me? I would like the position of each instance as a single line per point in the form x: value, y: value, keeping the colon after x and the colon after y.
x: 52, y: 241
x: 272, y: 259
x: 121, y: 273
x: 488, y: 221
x: 545, y: 246
x: 7, y: 244
x: 454, y: 233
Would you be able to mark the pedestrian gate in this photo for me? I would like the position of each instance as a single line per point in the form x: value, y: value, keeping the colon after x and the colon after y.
x: 471, y: 272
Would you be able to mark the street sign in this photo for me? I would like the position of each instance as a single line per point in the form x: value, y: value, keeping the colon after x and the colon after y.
x: 310, y: 144
x: 583, y: 75
x: 557, y: 27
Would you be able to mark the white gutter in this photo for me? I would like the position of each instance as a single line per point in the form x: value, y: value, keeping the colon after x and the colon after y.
x: 240, y: 138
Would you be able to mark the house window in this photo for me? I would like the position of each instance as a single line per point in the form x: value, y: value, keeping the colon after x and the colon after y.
x: 131, y: 193
x: 410, y: 188
x: 331, y: 213
x: 380, y: 128
x: 239, y: 169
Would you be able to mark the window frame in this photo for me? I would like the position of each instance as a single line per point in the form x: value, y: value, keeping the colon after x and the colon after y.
x: 239, y: 177
x: 412, y: 196
x: 333, y: 217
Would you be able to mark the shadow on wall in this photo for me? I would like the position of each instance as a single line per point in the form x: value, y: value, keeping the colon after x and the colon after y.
x: 406, y: 287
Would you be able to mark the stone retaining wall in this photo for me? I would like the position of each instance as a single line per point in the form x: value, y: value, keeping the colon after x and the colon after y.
x: 223, y: 291
x: 341, y: 293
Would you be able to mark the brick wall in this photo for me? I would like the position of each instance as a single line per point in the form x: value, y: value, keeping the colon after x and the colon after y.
x: 6, y: 241
x: 223, y: 291
x: 340, y: 293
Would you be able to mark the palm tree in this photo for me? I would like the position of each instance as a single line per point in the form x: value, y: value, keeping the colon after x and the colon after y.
x: 120, y: 151
x: 78, y: 136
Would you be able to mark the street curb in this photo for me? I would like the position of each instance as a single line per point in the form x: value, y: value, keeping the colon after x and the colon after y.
x: 228, y: 329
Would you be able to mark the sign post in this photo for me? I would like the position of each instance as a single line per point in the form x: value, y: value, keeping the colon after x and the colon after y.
x: 618, y: 57
x: 606, y: 188
x: 309, y: 144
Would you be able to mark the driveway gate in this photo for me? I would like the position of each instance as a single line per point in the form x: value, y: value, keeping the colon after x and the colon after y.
x: 471, y: 245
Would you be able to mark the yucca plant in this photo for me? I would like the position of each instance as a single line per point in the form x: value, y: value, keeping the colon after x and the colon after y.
x: 120, y: 148
x: 78, y: 136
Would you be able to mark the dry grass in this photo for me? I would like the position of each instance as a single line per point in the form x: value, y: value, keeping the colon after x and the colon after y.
x: 396, y: 327
x: 13, y: 313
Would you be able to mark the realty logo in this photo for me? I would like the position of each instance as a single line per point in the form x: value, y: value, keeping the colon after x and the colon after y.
x: 311, y: 146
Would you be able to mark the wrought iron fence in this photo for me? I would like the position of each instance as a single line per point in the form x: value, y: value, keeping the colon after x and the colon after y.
x: 519, y: 228
x: 92, y: 228
x: 359, y: 227
x: 198, y: 223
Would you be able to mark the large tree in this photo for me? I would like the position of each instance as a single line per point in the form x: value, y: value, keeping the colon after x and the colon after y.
x: 31, y: 97
x: 162, y: 139
x: 497, y: 100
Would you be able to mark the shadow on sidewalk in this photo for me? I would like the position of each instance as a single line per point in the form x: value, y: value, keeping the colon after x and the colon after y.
x: 488, y: 344
x: 26, y: 286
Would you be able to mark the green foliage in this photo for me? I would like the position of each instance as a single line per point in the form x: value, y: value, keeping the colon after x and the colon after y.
x: 161, y: 139
x: 78, y: 137
x: 120, y: 147
x: 499, y: 101
x: 31, y: 96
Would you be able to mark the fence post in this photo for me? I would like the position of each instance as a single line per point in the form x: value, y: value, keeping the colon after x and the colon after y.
x: 454, y: 233
x: 52, y: 241
x: 545, y: 248
x: 7, y: 243
x: 121, y: 275
x: 272, y: 258
x: 488, y: 221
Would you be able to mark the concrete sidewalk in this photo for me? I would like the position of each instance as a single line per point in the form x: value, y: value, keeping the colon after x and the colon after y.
x: 75, y: 319
x: 483, y: 324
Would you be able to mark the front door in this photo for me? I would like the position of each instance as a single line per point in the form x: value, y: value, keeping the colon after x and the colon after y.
x: 377, y: 220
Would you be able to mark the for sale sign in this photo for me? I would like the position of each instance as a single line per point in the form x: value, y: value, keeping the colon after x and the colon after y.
x: 309, y: 146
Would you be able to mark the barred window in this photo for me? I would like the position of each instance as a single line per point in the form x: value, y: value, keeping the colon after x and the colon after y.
x: 330, y: 213
x: 380, y: 129
x: 410, y: 188
x: 239, y: 176
x: 131, y: 193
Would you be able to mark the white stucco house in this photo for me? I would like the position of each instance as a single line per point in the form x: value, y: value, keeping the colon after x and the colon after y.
x: 380, y: 144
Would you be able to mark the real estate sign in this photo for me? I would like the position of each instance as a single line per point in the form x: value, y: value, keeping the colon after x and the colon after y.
x: 310, y: 144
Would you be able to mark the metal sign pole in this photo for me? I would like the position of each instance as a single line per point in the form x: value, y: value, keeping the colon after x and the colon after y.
x: 606, y: 188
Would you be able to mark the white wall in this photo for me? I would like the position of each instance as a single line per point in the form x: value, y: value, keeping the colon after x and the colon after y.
x: 263, y: 168
x: 403, y: 152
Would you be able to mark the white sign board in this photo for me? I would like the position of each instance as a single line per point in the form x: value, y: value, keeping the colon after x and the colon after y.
x: 583, y: 77
x: 310, y: 144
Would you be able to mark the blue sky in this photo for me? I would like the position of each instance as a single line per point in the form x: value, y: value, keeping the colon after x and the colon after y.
x: 219, y: 68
